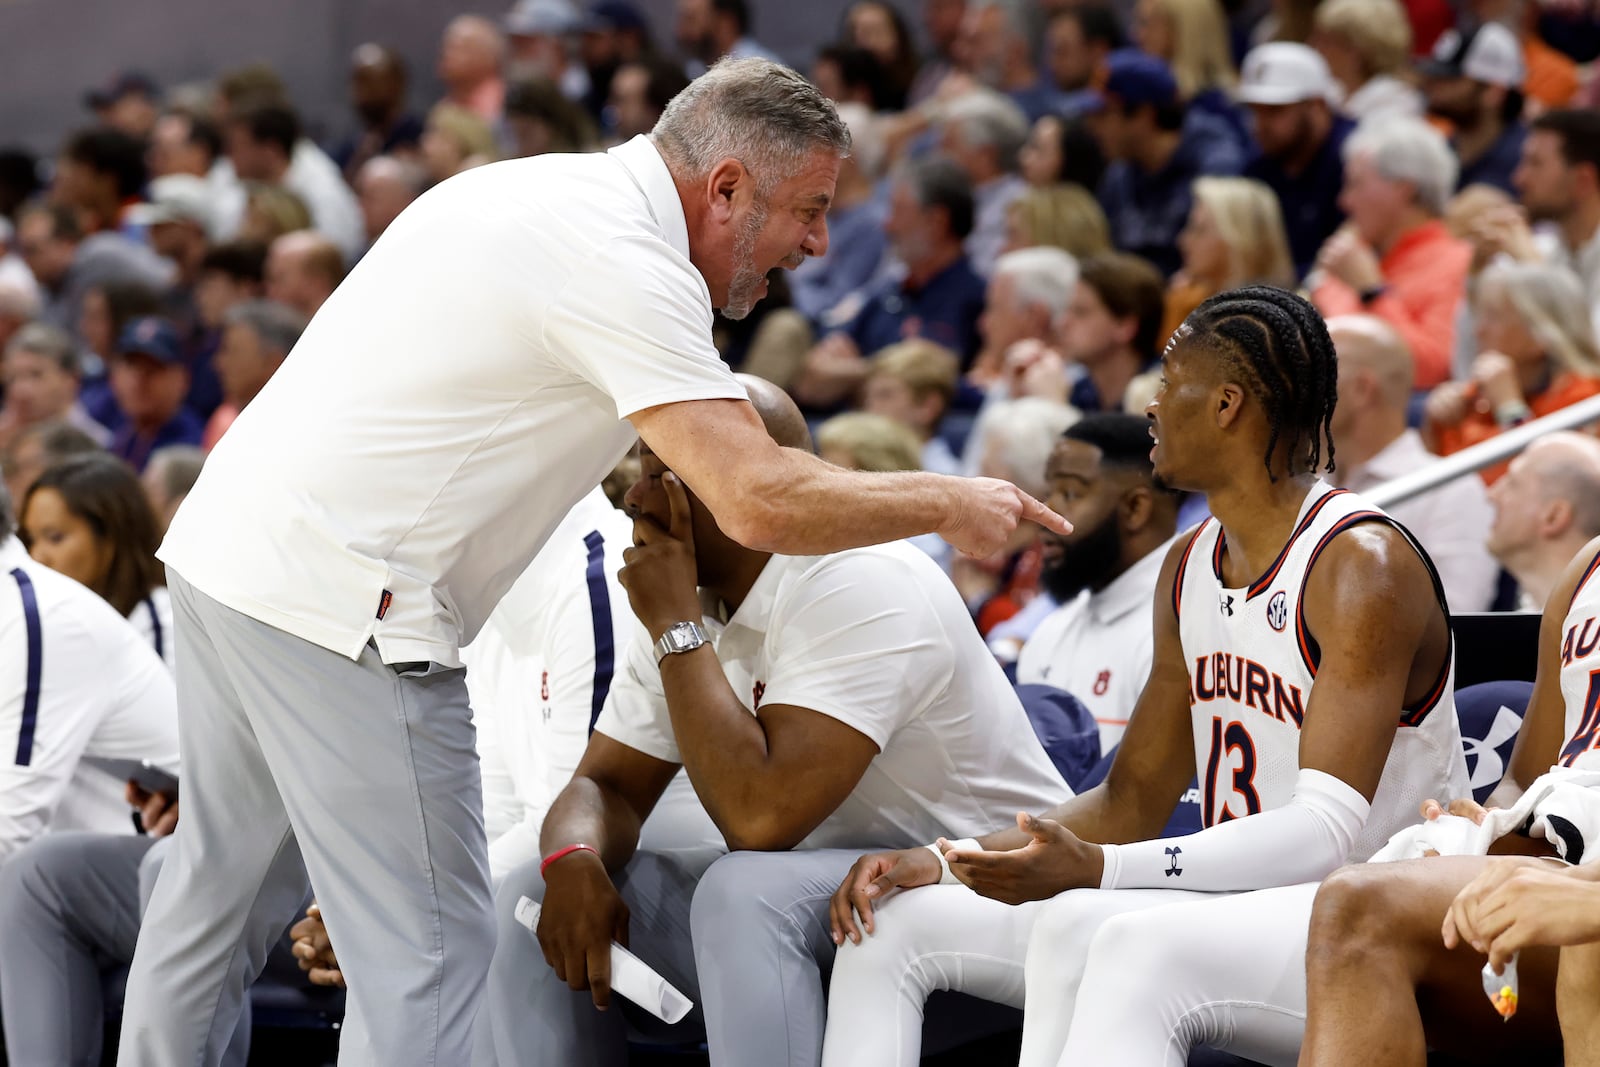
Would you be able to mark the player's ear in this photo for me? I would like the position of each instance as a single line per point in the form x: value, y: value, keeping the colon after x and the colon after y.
x: 1229, y: 404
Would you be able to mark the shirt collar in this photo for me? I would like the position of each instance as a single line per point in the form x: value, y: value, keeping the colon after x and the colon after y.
x: 1129, y: 590
x: 640, y: 158
x: 12, y: 554
x: 755, y: 610
x: 1401, y: 456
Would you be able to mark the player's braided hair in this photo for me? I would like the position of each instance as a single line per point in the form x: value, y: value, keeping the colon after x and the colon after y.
x: 1279, y: 346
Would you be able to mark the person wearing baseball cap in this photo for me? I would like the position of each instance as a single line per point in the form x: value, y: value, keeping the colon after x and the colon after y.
x: 179, y: 212
x: 1157, y: 153
x: 149, y: 380
x: 1474, y: 81
x: 1299, y: 139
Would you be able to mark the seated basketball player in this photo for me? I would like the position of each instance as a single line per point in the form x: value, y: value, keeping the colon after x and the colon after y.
x: 1302, y: 670
x: 1415, y: 933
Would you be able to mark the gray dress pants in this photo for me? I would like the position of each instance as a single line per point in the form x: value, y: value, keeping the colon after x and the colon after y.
x: 69, y: 910
x: 296, y: 761
x: 747, y: 940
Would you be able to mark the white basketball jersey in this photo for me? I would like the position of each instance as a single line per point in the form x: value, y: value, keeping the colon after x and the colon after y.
x: 1580, y: 673
x: 1252, y: 663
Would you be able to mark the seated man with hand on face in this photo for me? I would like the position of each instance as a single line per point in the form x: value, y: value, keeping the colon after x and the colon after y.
x: 817, y: 703
x: 1301, y: 671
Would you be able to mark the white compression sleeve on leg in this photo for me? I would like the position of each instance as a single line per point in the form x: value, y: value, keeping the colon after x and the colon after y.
x: 1303, y: 841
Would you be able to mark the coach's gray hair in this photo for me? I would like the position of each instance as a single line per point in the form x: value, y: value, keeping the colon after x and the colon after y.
x: 279, y: 327
x: 1044, y: 277
x: 47, y: 341
x: 761, y: 113
x: 987, y: 119
x: 1409, y: 150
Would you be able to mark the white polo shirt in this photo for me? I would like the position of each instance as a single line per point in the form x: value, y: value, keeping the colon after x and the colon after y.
x: 879, y: 639
x: 1098, y: 647
x: 538, y: 675
x: 76, y: 679
x: 152, y: 617
x: 462, y: 389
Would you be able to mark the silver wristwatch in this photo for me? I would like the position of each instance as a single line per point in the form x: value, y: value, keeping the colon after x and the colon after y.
x: 680, y: 637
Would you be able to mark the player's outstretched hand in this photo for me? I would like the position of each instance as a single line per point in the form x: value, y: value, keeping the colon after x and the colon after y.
x: 1054, y: 861
x: 1519, y: 902
x: 869, y: 879
x: 582, y: 914
x: 989, y: 510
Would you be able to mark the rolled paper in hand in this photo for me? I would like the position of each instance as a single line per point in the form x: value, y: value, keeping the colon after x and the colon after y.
x: 631, y: 977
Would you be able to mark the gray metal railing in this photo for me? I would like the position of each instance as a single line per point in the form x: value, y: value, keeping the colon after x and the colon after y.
x: 1485, y: 454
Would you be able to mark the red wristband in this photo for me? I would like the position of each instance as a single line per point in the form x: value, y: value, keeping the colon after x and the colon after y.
x: 562, y: 853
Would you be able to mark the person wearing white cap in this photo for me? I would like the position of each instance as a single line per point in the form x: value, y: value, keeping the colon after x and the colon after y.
x: 539, y: 33
x: 1474, y: 80
x: 1289, y: 91
x: 180, y: 213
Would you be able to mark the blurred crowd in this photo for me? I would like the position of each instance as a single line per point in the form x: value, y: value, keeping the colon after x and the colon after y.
x: 1037, y: 196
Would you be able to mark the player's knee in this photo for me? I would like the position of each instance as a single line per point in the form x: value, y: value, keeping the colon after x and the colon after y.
x: 733, y: 894
x: 26, y: 880
x: 524, y: 881
x: 1062, y: 932
x: 1352, y: 916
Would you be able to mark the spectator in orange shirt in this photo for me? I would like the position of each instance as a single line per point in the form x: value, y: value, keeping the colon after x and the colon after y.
x: 1537, y: 354
x: 1395, y: 259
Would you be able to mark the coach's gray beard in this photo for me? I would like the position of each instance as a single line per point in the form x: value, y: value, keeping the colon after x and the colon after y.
x: 746, y: 278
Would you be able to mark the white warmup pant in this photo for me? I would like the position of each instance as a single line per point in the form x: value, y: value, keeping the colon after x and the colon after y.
x: 932, y: 938
x: 1162, y: 976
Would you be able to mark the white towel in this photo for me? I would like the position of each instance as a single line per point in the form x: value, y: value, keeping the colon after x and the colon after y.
x: 1562, y: 806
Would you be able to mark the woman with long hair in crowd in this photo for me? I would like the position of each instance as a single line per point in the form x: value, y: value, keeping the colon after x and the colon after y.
x: 1058, y: 216
x: 1536, y: 355
x: 88, y: 518
x: 878, y: 28
x: 1234, y: 237
x: 1191, y: 37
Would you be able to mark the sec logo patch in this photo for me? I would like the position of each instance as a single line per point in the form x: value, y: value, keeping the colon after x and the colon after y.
x: 1278, y: 611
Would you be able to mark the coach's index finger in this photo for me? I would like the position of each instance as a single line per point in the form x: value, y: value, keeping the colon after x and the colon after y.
x: 1033, y: 511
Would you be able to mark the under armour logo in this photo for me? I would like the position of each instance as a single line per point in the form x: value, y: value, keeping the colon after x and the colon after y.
x: 1172, y: 857
x: 1226, y: 604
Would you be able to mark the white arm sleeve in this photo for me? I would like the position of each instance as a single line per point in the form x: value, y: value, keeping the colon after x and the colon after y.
x: 1303, y: 841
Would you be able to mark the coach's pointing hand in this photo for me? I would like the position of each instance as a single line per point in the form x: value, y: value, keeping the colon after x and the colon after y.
x: 988, y: 510
x: 1054, y: 861
x: 659, y: 571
